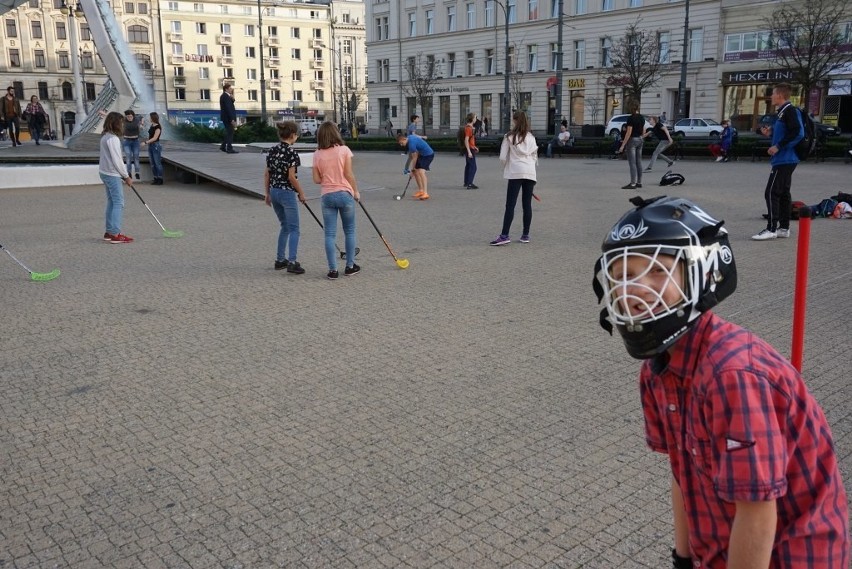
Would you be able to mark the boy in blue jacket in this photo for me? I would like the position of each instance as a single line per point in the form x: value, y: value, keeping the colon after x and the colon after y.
x: 786, y: 133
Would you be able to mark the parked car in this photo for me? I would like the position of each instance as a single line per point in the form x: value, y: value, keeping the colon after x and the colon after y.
x: 823, y: 130
x: 697, y: 127
x: 617, y: 121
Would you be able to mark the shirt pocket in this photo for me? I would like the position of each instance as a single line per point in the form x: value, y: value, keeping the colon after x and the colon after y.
x: 701, y: 452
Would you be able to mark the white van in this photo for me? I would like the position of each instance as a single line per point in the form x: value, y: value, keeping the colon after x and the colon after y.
x: 308, y: 126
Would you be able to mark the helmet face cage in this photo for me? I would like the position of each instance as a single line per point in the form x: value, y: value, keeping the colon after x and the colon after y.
x: 623, y: 289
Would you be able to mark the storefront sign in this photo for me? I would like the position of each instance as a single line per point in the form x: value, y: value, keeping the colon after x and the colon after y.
x: 757, y: 76
x: 576, y: 83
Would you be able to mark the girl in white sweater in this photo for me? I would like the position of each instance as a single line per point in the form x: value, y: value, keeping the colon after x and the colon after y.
x: 519, y: 156
x: 112, y: 171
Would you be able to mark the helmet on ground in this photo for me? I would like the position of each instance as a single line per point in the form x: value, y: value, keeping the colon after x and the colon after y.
x: 664, y: 263
x: 672, y: 179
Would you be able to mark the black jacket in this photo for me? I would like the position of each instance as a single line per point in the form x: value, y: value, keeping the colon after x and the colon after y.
x: 226, y: 107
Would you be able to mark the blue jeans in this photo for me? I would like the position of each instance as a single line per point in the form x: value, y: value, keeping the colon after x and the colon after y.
x: 115, y: 203
x: 131, y: 152
x: 469, y: 168
x: 344, y: 203
x: 155, y: 155
x: 513, y: 188
x: 286, y: 206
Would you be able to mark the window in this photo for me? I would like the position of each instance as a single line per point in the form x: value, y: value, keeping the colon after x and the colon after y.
x: 204, y: 94
x: 129, y: 8
x: 33, y: 3
x: 223, y: 8
x: 664, y: 40
x: 64, y: 60
x: 247, y: 10
x: 579, y: 54
x: 172, y: 7
x: 347, y: 46
x: 554, y: 56
x: 175, y: 27
x: 607, y: 5
x: 316, y: 33
x: 200, y: 28
x: 251, y: 74
x: 228, y: 72
x: 36, y: 30
x: 86, y: 33
x: 295, y: 53
x: 412, y: 24
x: 430, y: 22
x: 317, y: 55
x: 61, y: 31
x: 225, y: 29
x: 319, y: 96
x: 137, y: 34
x: 635, y: 3
x: 489, y: 61
x: 512, y: 10
x: 471, y: 64
x: 580, y: 7
x: 42, y: 91
x: 471, y: 16
x: 297, y: 95
x: 179, y: 71
x: 177, y: 49
x: 142, y: 8
x: 11, y: 29
x: 39, y: 60
x: 87, y: 60
x: 451, y: 64
x: 444, y: 111
x: 297, y: 75
x: 606, y: 55
x: 273, y: 74
x: 198, y: 7
x: 490, y: 7
x: 696, y: 44
x: 347, y: 76
x: 512, y: 64
x: 272, y: 31
x: 226, y: 50
x: 295, y: 33
x: 273, y: 52
x: 201, y: 49
x: 67, y: 91
x: 384, y: 70
x: 532, y: 10
x: 180, y: 94
x: 532, y: 58
x: 249, y: 30
x: 144, y: 60
x: 451, y: 18
x: 14, y: 58
x: 250, y: 52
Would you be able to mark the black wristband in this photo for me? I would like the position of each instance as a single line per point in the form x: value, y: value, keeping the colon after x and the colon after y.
x: 679, y: 562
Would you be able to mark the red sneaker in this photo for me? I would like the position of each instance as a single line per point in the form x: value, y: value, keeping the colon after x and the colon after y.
x: 121, y: 239
x: 108, y: 236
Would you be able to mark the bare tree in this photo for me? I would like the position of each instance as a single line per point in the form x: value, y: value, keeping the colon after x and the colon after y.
x: 422, y: 77
x: 807, y: 39
x: 635, y: 61
x: 516, y: 80
x: 594, y: 106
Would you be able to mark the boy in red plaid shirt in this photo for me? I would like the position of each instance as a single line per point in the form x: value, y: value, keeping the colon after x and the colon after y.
x: 755, y: 481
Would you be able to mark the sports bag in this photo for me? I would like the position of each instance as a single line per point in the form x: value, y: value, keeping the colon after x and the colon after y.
x: 672, y: 179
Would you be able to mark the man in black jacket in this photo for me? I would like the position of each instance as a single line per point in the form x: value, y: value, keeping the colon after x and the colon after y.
x: 228, y: 114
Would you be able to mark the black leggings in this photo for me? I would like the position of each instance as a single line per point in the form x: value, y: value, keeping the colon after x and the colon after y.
x: 777, y: 196
x: 512, y: 190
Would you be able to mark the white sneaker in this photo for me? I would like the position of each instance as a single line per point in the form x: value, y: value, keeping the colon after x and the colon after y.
x: 720, y: 158
x: 764, y: 235
x: 782, y: 233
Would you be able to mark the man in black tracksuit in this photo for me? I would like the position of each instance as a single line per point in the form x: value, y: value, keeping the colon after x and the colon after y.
x: 786, y: 133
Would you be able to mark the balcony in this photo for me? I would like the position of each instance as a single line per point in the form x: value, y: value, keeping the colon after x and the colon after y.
x: 175, y: 37
x: 226, y: 61
x: 223, y: 80
x: 317, y: 64
x: 317, y: 85
x: 179, y: 80
x: 272, y: 40
x: 272, y: 61
x: 317, y: 42
x: 224, y: 39
x: 275, y: 83
x: 175, y: 59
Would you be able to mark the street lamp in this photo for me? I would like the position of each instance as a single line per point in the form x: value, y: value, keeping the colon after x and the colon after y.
x: 557, y: 91
x: 506, y: 114
x: 263, y: 115
x: 681, y: 89
x: 73, y: 15
x: 85, y: 96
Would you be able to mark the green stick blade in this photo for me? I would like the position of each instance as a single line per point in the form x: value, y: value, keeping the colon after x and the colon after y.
x: 168, y: 233
x: 42, y: 277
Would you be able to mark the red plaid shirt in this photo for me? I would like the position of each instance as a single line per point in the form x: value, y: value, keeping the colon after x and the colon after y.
x: 739, y: 424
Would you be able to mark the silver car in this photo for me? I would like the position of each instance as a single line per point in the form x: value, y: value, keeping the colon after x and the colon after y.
x: 697, y: 127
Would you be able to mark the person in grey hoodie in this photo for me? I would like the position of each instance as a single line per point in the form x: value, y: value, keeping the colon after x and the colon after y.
x: 519, y: 156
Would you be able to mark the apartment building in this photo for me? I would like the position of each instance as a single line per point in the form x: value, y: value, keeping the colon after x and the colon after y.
x: 727, y: 74
x: 37, y: 56
x: 304, y: 52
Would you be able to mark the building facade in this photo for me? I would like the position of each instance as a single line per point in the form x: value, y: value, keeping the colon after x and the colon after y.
x: 465, y: 39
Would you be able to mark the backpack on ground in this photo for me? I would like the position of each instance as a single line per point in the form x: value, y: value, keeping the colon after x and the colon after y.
x: 807, y: 145
x: 672, y: 179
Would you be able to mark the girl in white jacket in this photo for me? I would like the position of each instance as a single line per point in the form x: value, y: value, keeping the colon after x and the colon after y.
x: 519, y: 156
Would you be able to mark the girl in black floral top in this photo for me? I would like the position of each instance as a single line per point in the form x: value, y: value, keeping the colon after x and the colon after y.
x: 282, y: 191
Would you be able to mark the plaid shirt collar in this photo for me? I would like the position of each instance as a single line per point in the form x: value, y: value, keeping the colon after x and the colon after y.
x: 681, y: 359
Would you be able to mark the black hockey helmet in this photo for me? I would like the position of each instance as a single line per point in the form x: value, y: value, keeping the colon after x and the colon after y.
x: 680, y: 245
